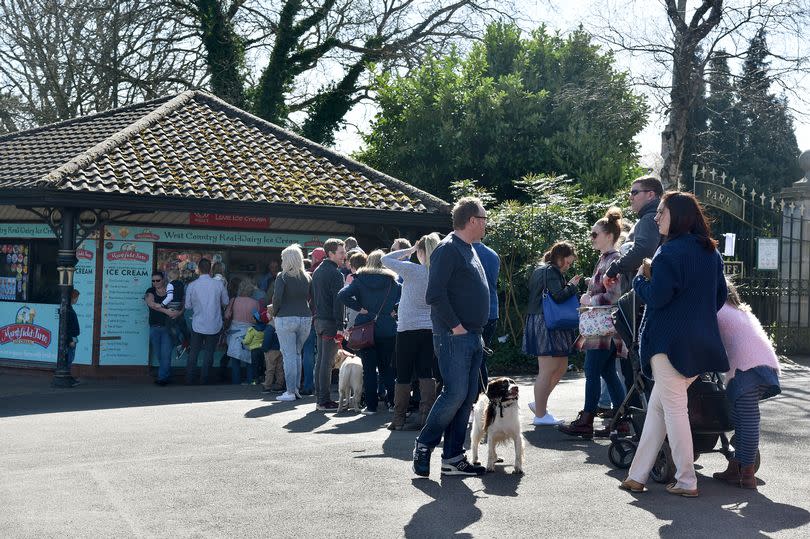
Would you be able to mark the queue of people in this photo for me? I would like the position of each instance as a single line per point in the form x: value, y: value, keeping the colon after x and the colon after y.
x: 433, y: 307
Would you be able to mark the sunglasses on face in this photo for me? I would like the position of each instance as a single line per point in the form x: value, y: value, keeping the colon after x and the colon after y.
x: 156, y: 280
x: 634, y: 192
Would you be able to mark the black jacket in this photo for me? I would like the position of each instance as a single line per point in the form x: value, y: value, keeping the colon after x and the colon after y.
x: 645, y: 238
x: 548, y: 277
x: 327, y: 280
x: 72, y: 323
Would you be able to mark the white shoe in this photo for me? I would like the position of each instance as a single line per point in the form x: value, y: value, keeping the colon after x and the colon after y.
x: 286, y: 397
x: 546, y: 420
x: 366, y: 411
x: 531, y: 406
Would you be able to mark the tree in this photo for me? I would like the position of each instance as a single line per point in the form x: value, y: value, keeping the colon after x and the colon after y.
x: 319, y: 53
x: 64, y: 58
x: 510, y: 107
x: 711, y: 25
x: 769, y: 152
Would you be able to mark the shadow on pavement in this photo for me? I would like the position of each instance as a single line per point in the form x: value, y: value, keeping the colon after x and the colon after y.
x: 452, y: 509
x: 22, y: 395
x: 733, y: 510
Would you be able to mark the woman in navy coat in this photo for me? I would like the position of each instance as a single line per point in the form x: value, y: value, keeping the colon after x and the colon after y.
x: 680, y: 338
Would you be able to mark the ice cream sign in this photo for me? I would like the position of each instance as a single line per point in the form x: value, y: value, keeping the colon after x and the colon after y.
x: 24, y: 331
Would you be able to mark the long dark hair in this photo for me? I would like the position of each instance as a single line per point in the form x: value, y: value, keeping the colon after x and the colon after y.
x: 558, y: 251
x: 687, y: 217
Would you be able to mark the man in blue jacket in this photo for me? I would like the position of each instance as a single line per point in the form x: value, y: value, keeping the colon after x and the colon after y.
x: 458, y: 295
x: 492, y: 266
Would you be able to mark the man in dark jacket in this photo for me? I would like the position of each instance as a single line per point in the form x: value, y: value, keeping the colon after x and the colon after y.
x: 645, y: 195
x: 644, y: 239
x: 458, y: 295
x: 327, y: 280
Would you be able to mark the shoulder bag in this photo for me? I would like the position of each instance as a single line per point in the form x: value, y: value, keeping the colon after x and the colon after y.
x: 361, y: 336
x: 596, y: 320
x: 563, y: 315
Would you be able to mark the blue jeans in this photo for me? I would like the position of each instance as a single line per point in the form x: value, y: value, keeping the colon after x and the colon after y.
x: 236, y: 371
x: 293, y: 332
x: 459, y: 363
x: 308, y: 359
x: 601, y: 365
x: 161, y: 340
x: 378, y: 358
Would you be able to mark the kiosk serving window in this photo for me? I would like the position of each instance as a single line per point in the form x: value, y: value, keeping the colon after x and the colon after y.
x: 28, y: 271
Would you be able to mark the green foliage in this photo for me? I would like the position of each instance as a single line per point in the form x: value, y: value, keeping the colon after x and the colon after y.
x: 520, y: 232
x: 513, y: 106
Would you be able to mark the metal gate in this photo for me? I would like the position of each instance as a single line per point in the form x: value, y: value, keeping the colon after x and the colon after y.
x: 770, y: 257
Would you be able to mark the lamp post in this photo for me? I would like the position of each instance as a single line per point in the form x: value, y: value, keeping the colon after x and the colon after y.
x: 65, y: 265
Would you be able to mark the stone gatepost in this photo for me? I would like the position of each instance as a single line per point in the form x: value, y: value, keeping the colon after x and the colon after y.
x: 795, y: 256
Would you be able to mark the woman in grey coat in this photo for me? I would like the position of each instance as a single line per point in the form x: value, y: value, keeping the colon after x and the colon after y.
x: 293, y: 316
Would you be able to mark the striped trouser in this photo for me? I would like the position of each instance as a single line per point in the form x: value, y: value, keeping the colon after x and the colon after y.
x: 746, y: 426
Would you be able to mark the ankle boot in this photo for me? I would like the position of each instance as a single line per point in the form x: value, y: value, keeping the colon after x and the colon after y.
x: 402, y: 394
x: 582, y: 426
x: 747, y: 479
x: 732, y: 473
x: 427, y: 391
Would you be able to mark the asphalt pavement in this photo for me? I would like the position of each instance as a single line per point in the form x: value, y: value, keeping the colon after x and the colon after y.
x: 122, y: 459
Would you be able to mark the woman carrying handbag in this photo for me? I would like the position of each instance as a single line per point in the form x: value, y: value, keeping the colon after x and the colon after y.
x: 374, y: 292
x: 600, y: 349
x: 551, y: 346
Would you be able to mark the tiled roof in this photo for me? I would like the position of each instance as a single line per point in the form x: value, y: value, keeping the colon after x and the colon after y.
x: 195, y: 146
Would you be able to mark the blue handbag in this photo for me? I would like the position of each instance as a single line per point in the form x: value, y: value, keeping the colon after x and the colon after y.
x: 563, y: 315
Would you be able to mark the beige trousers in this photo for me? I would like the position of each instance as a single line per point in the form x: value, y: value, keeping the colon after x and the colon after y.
x: 273, y: 369
x: 666, y: 416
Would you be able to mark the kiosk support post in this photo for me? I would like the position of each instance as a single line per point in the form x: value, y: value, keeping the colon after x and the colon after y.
x: 65, y: 264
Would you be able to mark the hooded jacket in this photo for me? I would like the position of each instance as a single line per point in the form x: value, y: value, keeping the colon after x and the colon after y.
x: 377, y: 291
x: 645, y: 239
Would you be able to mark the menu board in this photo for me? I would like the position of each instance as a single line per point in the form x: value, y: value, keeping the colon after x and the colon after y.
x: 14, y: 271
x: 84, y: 280
x: 124, y: 316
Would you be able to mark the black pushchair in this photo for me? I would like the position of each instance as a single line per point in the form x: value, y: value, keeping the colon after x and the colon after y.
x: 709, y: 411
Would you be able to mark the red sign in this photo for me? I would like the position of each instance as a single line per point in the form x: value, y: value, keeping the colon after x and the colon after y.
x: 313, y: 243
x: 84, y: 254
x: 25, y: 334
x: 147, y: 236
x: 229, y: 221
x: 128, y: 255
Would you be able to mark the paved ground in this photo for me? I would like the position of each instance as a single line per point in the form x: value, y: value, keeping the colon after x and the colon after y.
x: 133, y: 460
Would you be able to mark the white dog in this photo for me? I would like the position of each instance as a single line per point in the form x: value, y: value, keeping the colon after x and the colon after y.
x: 496, y: 415
x: 350, y: 380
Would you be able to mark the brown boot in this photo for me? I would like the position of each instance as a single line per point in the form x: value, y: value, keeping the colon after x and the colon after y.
x: 582, y: 426
x: 747, y: 479
x: 732, y: 473
x: 427, y: 393
x: 402, y: 395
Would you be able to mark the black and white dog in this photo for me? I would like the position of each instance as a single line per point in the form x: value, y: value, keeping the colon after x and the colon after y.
x: 496, y: 416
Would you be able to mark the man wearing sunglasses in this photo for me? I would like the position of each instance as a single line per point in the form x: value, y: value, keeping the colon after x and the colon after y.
x: 645, y: 194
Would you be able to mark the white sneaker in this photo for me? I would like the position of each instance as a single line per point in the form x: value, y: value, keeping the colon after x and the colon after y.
x: 286, y: 397
x: 366, y: 411
x: 546, y: 420
x: 531, y: 406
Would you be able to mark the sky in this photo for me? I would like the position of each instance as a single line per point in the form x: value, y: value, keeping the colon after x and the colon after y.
x: 646, y: 15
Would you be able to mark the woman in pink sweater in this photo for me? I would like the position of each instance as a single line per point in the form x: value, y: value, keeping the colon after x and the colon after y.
x: 753, y: 376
